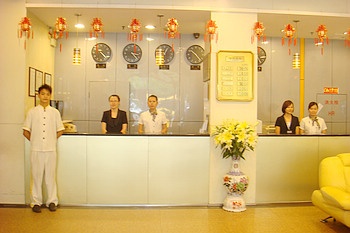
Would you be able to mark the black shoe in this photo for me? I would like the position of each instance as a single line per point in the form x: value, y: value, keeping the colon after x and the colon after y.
x: 36, y: 209
x: 52, y: 207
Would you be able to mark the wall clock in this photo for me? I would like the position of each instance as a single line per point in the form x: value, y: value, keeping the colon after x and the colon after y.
x: 101, y: 52
x: 132, y: 53
x: 261, y: 56
x: 168, y: 52
x: 195, y: 54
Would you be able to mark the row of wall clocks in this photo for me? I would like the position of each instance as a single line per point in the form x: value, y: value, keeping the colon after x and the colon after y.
x: 132, y: 53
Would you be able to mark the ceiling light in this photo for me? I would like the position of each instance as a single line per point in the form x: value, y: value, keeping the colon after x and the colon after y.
x: 151, y: 27
x: 149, y: 39
x: 78, y: 25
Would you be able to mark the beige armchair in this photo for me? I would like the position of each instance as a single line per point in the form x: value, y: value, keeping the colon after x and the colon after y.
x: 333, y: 197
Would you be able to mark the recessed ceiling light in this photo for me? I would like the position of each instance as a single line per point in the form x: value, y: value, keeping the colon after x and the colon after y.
x: 149, y: 39
x: 151, y: 27
x: 79, y: 25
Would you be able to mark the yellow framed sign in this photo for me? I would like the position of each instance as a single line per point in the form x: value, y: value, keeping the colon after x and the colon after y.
x: 235, y: 75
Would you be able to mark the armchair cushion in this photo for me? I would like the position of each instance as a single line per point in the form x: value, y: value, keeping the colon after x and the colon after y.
x: 337, y: 197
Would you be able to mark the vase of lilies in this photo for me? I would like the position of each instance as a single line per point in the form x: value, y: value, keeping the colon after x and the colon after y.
x: 234, y: 138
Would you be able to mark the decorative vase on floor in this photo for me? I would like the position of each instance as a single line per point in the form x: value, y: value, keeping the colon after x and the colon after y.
x: 236, y: 183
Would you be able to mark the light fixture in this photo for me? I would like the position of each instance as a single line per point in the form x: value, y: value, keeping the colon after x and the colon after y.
x: 150, y: 27
x: 296, y: 61
x: 76, y: 50
x: 160, y: 52
x: 159, y: 57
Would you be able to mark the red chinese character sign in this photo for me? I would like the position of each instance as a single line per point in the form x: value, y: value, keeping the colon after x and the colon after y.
x: 24, y: 28
x: 321, y: 36
x: 258, y: 32
x: 134, y: 26
x: 60, y: 29
x: 96, y: 28
x: 211, y: 32
x: 289, y: 34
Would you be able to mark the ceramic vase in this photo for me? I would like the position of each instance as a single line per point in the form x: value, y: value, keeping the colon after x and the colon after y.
x: 236, y: 183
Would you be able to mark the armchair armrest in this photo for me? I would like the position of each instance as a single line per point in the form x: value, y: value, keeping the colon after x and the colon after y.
x: 336, y: 197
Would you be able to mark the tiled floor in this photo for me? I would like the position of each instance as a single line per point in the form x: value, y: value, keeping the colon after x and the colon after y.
x: 260, y: 219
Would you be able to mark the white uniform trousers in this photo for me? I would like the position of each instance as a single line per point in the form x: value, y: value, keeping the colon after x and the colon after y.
x: 43, y: 165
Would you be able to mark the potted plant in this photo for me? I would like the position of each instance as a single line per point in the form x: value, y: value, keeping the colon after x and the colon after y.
x: 234, y: 138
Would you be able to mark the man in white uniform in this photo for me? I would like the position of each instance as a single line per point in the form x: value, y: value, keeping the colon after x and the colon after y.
x: 42, y: 127
x: 153, y: 121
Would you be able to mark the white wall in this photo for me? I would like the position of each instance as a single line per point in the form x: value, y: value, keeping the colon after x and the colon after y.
x: 231, y: 24
x: 12, y: 94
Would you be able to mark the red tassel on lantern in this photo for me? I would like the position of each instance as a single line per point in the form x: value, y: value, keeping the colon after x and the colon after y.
x: 96, y: 28
x: 24, y: 27
x: 258, y: 31
x: 321, y: 36
x: 347, y: 38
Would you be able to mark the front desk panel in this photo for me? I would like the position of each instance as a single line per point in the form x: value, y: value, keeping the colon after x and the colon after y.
x: 175, y: 170
x: 131, y: 170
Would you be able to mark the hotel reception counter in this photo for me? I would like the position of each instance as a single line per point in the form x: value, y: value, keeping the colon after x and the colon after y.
x: 96, y: 169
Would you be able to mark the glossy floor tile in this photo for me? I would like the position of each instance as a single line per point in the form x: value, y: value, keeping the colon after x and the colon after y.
x: 260, y: 219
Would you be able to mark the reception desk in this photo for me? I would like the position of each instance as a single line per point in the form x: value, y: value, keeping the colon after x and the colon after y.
x: 141, y: 170
x: 131, y: 170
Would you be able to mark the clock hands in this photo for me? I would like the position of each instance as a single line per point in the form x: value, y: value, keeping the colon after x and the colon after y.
x: 100, y: 51
x: 195, y: 54
x: 135, y: 55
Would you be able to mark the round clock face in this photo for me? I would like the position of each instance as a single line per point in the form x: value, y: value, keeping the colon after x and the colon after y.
x: 132, y: 53
x: 168, y: 52
x: 195, y: 54
x: 101, y: 52
x: 261, y: 56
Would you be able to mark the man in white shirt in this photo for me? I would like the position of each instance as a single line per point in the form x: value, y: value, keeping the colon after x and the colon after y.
x: 153, y: 121
x: 42, y: 127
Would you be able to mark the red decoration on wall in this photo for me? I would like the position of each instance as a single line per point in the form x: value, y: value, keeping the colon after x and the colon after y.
x: 211, y: 32
x: 289, y: 34
x: 321, y: 36
x: 347, y: 38
x: 24, y: 27
x: 258, y: 31
x: 97, y: 28
x: 134, y: 26
x: 60, y: 29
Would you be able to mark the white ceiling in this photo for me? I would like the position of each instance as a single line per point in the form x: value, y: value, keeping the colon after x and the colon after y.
x: 190, y: 21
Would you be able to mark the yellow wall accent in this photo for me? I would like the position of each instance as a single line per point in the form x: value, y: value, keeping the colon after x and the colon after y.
x: 302, y: 78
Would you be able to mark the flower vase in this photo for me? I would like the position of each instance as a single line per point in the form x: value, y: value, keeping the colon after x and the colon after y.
x: 236, y: 183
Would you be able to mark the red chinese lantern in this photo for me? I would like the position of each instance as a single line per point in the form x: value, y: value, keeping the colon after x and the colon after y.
x: 172, y: 27
x: 60, y: 29
x: 96, y: 28
x: 258, y: 31
x: 289, y: 33
x: 134, y: 26
x: 24, y: 27
x: 321, y: 36
x: 211, y: 32
x: 347, y: 38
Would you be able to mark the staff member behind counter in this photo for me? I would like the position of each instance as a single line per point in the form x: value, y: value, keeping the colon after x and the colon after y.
x: 287, y: 123
x: 114, y: 120
x: 153, y: 121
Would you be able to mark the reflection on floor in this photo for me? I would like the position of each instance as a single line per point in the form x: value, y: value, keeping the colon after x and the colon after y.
x: 303, y: 218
